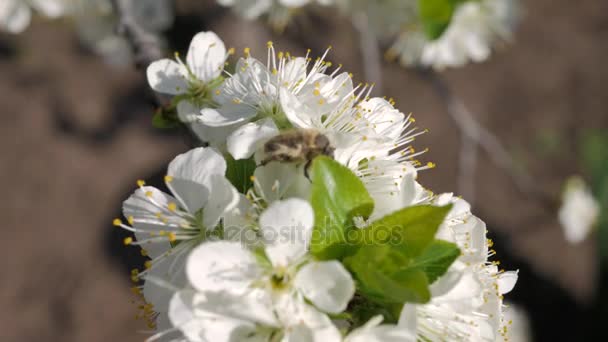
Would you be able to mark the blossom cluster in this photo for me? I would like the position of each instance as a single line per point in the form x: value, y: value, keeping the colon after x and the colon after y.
x: 300, y: 217
x: 436, y: 34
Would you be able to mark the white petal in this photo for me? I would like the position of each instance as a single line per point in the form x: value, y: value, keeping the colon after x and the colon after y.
x: 223, y: 197
x: 327, y: 285
x: 255, y: 305
x: 274, y: 180
x: 167, y: 77
x: 161, y: 280
x: 506, y: 281
x: 215, y: 136
x: 286, y: 227
x: 408, y: 318
x: 296, y: 111
x: 221, y: 266
x: 15, y: 16
x: 228, y: 114
x: 206, y: 56
x: 143, y: 210
x: 244, y: 141
x: 192, y: 174
x: 181, y: 315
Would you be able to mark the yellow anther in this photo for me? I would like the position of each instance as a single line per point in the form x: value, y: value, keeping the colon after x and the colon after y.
x: 128, y: 240
x: 140, y: 183
x: 316, y: 92
x: 148, y: 264
x: 329, y: 64
x: 217, y: 92
x: 130, y: 219
x: 172, y: 206
x: 269, y: 44
x: 172, y: 237
x: 247, y: 51
x: 148, y: 193
x: 321, y: 101
x: 412, y: 120
x: 168, y: 179
x: 252, y: 178
x: 176, y: 54
x: 117, y: 222
x: 162, y: 233
x: 280, y: 54
x: 364, y: 138
x: 143, y: 252
x: 231, y: 51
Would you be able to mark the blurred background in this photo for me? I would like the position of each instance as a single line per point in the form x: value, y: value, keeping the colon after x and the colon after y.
x: 76, y: 133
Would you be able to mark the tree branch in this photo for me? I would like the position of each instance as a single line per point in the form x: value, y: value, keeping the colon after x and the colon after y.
x: 475, y: 133
x: 370, y: 52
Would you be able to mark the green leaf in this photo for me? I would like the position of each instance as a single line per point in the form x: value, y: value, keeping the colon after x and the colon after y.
x: 383, y: 276
x: 239, y: 172
x: 436, y: 259
x: 411, y: 229
x: 337, y: 196
x: 165, y: 119
x: 435, y: 16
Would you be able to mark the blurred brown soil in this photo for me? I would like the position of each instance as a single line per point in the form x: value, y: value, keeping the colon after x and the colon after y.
x: 61, y: 191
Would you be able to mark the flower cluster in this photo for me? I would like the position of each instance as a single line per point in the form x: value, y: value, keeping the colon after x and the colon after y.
x: 301, y: 218
x: 436, y: 34
x: 15, y: 15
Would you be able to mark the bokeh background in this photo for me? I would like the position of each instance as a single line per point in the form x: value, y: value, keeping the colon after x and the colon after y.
x: 76, y: 133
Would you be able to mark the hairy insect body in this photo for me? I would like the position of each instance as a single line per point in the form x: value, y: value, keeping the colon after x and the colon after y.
x: 297, y: 146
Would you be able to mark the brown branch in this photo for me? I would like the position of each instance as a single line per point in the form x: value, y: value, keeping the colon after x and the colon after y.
x: 474, y: 133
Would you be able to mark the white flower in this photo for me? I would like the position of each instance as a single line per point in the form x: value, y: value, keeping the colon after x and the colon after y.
x: 279, y: 11
x: 168, y: 226
x: 579, y: 211
x: 15, y: 15
x: 470, y: 311
x: 286, y: 226
x: 245, y: 291
x: 193, y: 83
x: 475, y: 28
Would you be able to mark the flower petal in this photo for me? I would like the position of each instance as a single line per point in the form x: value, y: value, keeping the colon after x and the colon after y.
x: 206, y: 56
x: 372, y: 331
x: 142, y: 207
x: 161, y: 281
x: 167, y: 77
x: 327, y: 285
x: 506, y: 281
x: 228, y: 114
x: 286, y: 227
x: 295, y: 110
x: 221, y: 266
x: 192, y: 174
x: 15, y: 16
x: 181, y: 315
x: 224, y: 197
x: 244, y: 141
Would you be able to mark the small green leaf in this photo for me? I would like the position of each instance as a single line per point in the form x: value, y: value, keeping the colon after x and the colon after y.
x: 239, y: 172
x: 411, y: 229
x: 435, y: 16
x: 436, y: 259
x: 165, y: 119
x: 383, y: 276
x: 337, y: 196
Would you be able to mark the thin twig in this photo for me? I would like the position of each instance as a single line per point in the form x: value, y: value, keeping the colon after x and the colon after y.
x: 370, y: 52
x: 467, y: 168
x: 474, y: 132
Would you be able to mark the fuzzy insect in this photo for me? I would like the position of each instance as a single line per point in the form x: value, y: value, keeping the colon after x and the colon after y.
x: 297, y: 146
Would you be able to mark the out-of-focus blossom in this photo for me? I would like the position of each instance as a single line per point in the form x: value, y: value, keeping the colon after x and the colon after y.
x: 579, y: 211
x: 15, y: 15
